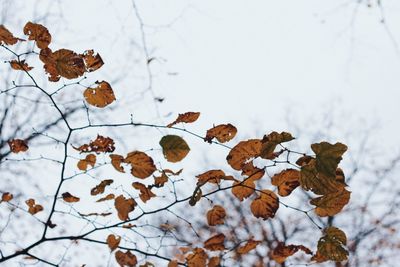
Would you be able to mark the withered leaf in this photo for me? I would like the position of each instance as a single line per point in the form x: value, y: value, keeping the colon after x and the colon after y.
x: 116, y: 161
x: 100, y: 96
x: 92, y: 61
x: 328, y: 157
x: 84, y: 163
x: 266, y: 205
x: 99, y: 189
x: 124, y: 207
x: 101, y: 144
x: 216, y: 215
x: 243, y: 152
x: 213, y: 176
x: 244, y: 189
x: 33, y: 207
x: 108, y: 197
x: 67, y: 197
x: 104, y: 214
x: 270, y: 141
x: 187, y: 117
x: 142, y: 165
x: 113, y: 241
x: 20, y: 65
x: 6, y: 37
x: 215, y: 242
x: 6, y: 196
x: 249, y: 246
x: 145, y: 193
x: 174, y: 148
x: 223, y: 133
x: 159, y: 181
x: 331, y: 246
x: 286, y: 181
x: 39, y: 33
x: 125, y: 259
x: 198, y: 258
x: 332, y: 203
x: 281, y: 252
x: 18, y: 145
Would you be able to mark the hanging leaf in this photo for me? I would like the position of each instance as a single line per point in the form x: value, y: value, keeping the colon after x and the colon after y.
x: 101, y: 144
x: 215, y: 242
x: 223, y: 133
x: 214, y: 262
x: 266, y: 205
x: 33, y: 207
x: 249, y: 246
x: 173, y: 263
x: 214, y: 177
x: 216, y: 215
x: 198, y: 258
x: 243, y: 152
x: 99, y: 189
x: 100, y: 96
x: 125, y: 259
x: 253, y: 173
x: 332, y: 203
x: 174, y: 148
x: 286, y: 181
x: 124, y: 207
x: 6, y: 37
x: 67, y: 197
x: 113, y: 242
x: 281, y: 252
x: 38, y: 33
x: 187, y: 117
x: 18, y: 145
x: 116, y: 161
x: 242, y: 190
x: 331, y: 246
x: 6, y: 196
x: 20, y: 65
x: 145, y: 193
x: 328, y: 157
x: 142, y: 166
x: 92, y: 62
x: 108, y: 197
x: 160, y: 180
x: 84, y: 163
x: 269, y: 143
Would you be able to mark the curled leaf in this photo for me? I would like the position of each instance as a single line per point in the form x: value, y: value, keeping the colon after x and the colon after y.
x: 213, y: 176
x: 223, y: 133
x: 216, y: 215
x: 99, y: 189
x: 101, y: 144
x: 332, y: 203
x: 270, y: 141
x: 125, y: 259
x: 116, y: 161
x: 328, y: 157
x: 20, y: 65
x: 67, y: 197
x: 124, y: 207
x: 145, y: 193
x: 6, y: 37
x: 286, y: 181
x: 113, y: 241
x: 108, y: 197
x: 18, y: 145
x: 281, y: 252
x: 249, y: 246
x: 6, y: 196
x: 215, y: 242
x: 39, y: 33
x: 266, y: 205
x: 84, y: 163
x: 187, y: 117
x: 100, y: 96
x: 243, y: 152
x: 92, y: 61
x: 331, y: 246
x: 198, y: 258
x: 243, y: 190
x: 33, y: 207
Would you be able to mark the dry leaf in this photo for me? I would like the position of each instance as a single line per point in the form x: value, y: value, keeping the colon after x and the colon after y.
x: 142, y: 165
x: 17, y: 145
x: 216, y: 215
x: 100, y: 96
x: 124, y: 207
x: 67, y: 197
x: 38, y: 33
x: 145, y: 193
x: 113, y: 241
x: 187, y: 117
x: 223, y: 133
x: 84, y: 163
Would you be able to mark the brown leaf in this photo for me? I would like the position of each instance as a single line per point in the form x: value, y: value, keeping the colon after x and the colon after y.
x: 266, y: 205
x: 187, y: 117
x: 100, y: 96
x: 67, y: 197
x: 62, y: 63
x: 249, y: 246
x: 328, y: 157
x: 6, y: 196
x: 101, y: 144
x: 331, y: 246
x: 159, y: 181
x: 198, y: 258
x: 286, y: 181
x: 142, y: 165
x: 99, y: 189
x: 174, y: 148
x: 269, y: 143
x: 243, y: 152
x: 253, y: 173
x: 108, y: 197
x: 113, y: 241
x: 92, y: 62
x: 214, y: 262
x: 213, y: 176
x: 145, y: 193
x: 116, y: 161
x: 18, y: 145
x: 243, y: 190
x: 215, y: 242
x: 223, y: 133
x: 6, y: 37
x: 216, y: 215
x: 20, y: 65
x: 124, y: 207
x: 84, y: 163
x: 173, y: 263
x: 33, y: 207
x: 281, y: 252
x: 38, y: 33
x: 125, y: 259
x: 332, y: 203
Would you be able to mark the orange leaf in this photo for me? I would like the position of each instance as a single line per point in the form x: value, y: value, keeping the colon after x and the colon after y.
x: 142, y: 165
x: 198, y: 258
x: 67, y: 197
x: 187, y: 117
x: 242, y: 152
x: 145, y: 193
x: 266, y: 205
x: 160, y: 180
x: 215, y: 242
x: 243, y: 190
x: 269, y: 143
x: 113, y: 241
x: 125, y: 259
x: 33, y: 207
x: 249, y: 246
x: 286, y: 181
x: 18, y: 145
x: 84, y: 163
x: 20, y: 65
x: 213, y: 176
x: 38, y: 33
x: 101, y: 144
x: 6, y: 196
x: 92, y: 61
x: 99, y: 189
x: 100, y: 96
x: 116, y: 161
x: 173, y: 263
x: 108, y: 197
x: 216, y: 215
x: 214, y: 262
x: 281, y: 252
x: 124, y: 207
x: 6, y: 37
x: 223, y: 133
